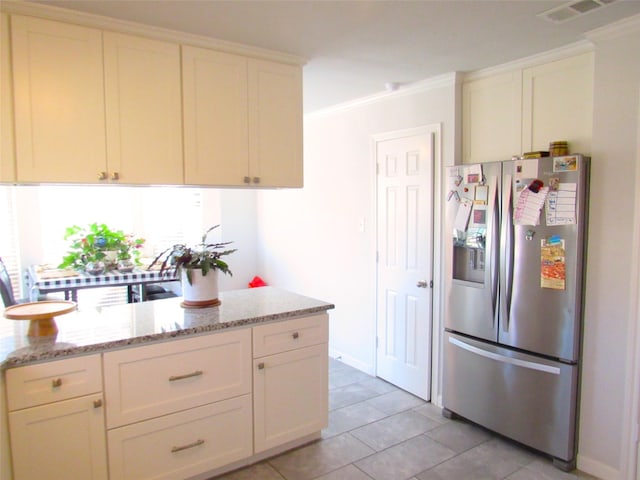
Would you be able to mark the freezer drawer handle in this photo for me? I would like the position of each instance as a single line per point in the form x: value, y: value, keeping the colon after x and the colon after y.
x: 501, y: 358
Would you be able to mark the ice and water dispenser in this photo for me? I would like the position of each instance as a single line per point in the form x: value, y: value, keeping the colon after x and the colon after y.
x: 467, y: 200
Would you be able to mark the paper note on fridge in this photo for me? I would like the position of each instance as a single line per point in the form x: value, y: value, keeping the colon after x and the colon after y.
x: 528, y: 206
x: 462, y: 217
x: 561, y: 205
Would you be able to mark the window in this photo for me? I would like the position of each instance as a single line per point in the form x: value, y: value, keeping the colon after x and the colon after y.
x: 162, y: 215
x: 9, y: 251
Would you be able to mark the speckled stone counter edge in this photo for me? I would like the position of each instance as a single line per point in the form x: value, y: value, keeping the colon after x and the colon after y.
x: 48, y: 350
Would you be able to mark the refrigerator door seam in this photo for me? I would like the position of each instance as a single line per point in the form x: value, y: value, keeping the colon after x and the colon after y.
x: 506, y: 252
x: 501, y: 358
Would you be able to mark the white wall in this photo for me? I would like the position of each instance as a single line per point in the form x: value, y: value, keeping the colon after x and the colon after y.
x: 239, y: 223
x: 608, y: 328
x: 309, y: 239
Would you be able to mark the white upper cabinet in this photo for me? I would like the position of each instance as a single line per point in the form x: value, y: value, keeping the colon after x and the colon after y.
x: 242, y: 119
x: 59, y: 101
x: 523, y: 110
x: 7, y: 145
x: 216, y: 136
x: 94, y: 106
x: 491, y: 118
x: 144, y: 112
x: 275, y: 124
x: 558, y: 104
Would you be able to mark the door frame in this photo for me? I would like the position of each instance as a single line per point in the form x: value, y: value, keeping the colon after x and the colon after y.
x: 633, y: 365
x: 435, y: 131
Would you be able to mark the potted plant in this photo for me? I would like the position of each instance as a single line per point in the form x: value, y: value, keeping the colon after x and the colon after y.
x: 197, y: 267
x: 97, y: 247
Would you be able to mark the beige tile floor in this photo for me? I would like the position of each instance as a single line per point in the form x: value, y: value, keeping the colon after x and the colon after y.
x: 377, y: 431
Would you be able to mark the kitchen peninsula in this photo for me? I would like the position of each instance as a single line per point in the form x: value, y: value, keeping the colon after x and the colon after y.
x: 153, y: 390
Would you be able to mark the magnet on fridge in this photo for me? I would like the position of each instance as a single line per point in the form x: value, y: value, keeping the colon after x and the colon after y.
x: 554, y: 240
x: 458, y: 180
x: 536, y: 185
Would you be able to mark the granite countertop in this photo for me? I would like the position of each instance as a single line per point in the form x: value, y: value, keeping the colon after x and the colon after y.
x: 105, y: 328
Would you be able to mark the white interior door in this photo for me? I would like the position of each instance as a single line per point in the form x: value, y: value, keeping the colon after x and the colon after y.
x: 405, y: 248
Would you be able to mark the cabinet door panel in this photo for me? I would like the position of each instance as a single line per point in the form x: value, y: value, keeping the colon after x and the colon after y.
x: 491, y: 118
x: 144, y: 112
x: 60, y: 441
x: 215, y: 117
x: 183, y: 444
x: 290, y: 396
x: 275, y: 124
x: 558, y: 104
x: 290, y: 335
x: 48, y: 382
x: 177, y: 375
x: 59, y: 101
x: 7, y: 145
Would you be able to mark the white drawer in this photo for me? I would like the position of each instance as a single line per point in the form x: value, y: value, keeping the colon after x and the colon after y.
x: 290, y: 335
x: 183, y: 444
x: 53, y: 381
x: 154, y: 380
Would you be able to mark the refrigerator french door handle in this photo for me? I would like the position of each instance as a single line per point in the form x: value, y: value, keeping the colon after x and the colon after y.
x: 506, y: 251
x: 501, y: 358
x: 493, y: 247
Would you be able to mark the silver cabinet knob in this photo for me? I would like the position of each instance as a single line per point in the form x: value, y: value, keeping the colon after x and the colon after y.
x: 422, y: 284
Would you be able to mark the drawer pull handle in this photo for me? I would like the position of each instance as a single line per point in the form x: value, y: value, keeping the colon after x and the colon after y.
x: 97, y: 403
x: 295, y: 335
x: 197, y: 443
x: 56, y: 383
x: 261, y: 366
x: 197, y: 373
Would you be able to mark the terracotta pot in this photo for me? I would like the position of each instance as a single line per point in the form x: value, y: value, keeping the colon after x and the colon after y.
x: 203, y: 290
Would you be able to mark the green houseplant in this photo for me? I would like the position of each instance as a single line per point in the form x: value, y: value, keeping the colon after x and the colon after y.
x: 95, y: 243
x: 197, y: 266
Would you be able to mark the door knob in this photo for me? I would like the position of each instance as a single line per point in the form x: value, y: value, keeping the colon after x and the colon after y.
x: 422, y: 284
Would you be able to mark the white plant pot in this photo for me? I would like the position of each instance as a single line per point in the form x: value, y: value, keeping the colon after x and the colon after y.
x: 203, y: 290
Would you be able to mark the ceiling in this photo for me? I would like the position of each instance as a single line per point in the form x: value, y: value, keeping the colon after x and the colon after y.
x: 354, y: 48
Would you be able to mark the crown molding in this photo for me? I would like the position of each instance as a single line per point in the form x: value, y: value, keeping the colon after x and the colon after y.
x: 19, y: 7
x: 561, y: 53
x: 616, y: 29
x: 446, y: 80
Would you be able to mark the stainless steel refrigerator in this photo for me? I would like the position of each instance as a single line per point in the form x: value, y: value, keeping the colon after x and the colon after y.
x: 514, y: 293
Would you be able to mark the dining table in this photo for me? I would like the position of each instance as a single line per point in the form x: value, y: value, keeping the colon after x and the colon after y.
x: 42, y: 279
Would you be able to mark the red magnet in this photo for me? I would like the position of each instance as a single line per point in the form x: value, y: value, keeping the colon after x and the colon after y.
x: 536, y: 185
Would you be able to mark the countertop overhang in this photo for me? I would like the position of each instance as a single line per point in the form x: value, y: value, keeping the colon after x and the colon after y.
x: 107, y: 328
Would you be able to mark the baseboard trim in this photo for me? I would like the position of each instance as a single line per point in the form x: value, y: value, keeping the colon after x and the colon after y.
x: 351, y: 361
x: 598, y: 469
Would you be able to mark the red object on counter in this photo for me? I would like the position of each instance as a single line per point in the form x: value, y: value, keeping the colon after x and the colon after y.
x: 257, y: 282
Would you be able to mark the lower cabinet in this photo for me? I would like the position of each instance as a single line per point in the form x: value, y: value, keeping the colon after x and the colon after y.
x: 61, y: 441
x: 171, y: 410
x: 182, y: 444
x: 290, y: 396
x: 290, y: 380
x: 56, y: 420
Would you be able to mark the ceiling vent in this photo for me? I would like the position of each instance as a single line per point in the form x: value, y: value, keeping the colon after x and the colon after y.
x: 573, y: 10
